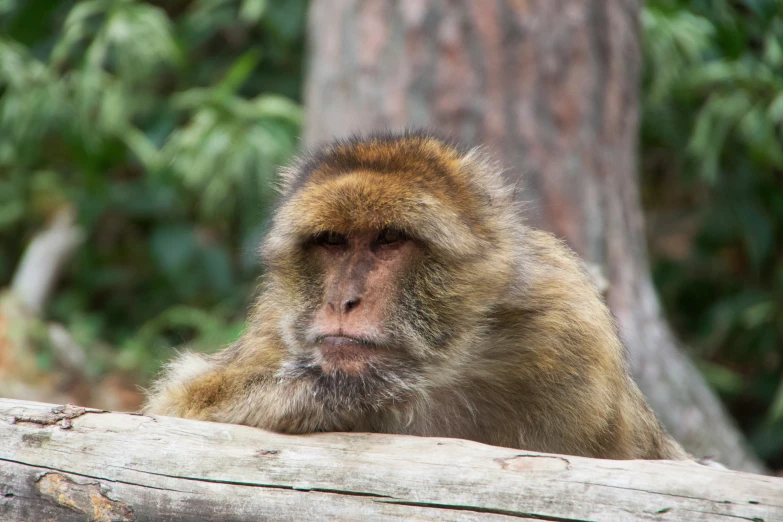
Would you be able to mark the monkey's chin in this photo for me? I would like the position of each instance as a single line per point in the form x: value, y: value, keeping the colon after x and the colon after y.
x: 364, y: 378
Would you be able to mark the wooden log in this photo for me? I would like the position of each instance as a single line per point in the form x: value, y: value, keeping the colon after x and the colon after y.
x: 69, y: 463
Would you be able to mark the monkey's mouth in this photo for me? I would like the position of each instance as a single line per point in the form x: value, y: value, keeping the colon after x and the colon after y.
x: 350, y: 355
x: 343, y: 340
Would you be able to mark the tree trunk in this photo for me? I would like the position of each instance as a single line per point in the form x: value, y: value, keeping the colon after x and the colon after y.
x: 552, y: 89
x: 69, y: 463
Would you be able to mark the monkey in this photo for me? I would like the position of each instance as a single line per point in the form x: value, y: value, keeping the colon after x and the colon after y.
x: 403, y: 294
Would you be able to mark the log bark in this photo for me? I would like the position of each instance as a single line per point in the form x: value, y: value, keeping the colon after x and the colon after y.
x: 68, y: 463
x: 552, y: 89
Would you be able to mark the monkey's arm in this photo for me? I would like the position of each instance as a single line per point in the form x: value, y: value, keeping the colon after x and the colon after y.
x: 200, y: 387
x: 583, y: 392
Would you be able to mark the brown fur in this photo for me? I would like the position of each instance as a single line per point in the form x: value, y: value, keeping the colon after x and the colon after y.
x: 500, y: 335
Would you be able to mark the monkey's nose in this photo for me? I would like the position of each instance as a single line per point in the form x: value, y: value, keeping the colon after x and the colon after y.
x: 345, y: 306
x: 349, y: 304
x: 343, y: 300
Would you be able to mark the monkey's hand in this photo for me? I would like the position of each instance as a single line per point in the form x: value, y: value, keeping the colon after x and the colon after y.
x: 197, y: 387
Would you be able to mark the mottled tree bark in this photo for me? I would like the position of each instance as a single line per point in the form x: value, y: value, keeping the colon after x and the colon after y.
x: 552, y: 88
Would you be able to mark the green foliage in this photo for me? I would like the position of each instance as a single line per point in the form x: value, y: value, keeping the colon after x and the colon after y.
x: 162, y: 124
x: 712, y: 140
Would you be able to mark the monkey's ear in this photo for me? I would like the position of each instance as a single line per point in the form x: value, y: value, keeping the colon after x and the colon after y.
x: 290, y: 176
x: 285, y: 177
x: 486, y: 176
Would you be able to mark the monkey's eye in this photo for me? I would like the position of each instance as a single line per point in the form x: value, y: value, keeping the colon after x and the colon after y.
x: 390, y: 235
x: 330, y: 239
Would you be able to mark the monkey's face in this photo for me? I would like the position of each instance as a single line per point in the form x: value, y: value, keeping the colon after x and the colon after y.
x: 352, y: 322
x: 362, y: 299
x: 361, y: 275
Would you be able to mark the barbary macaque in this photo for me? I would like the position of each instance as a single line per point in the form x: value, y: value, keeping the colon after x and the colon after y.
x: 403, y: 294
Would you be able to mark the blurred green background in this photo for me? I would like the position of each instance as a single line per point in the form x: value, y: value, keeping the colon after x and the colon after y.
x: 162, y: 123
